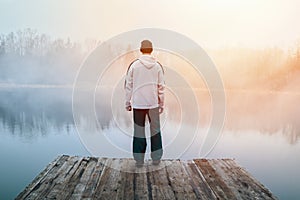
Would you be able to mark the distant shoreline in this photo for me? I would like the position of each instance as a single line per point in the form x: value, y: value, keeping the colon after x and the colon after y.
x: 4, y: 85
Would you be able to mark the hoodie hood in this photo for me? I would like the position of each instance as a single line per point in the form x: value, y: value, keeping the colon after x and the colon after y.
x: 148, y: 61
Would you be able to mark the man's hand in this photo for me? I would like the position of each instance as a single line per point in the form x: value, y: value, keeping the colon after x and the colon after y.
x: 128, y: 108
x: 160, y: 110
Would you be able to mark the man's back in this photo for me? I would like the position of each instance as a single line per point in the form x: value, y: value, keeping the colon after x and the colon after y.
x: 145, y: 83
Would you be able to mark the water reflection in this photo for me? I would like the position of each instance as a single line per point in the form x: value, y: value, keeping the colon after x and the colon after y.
x: 31, y: 112
x: 266, y: 112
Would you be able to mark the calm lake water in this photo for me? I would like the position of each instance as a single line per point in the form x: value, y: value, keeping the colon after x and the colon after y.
x: 36, y: 125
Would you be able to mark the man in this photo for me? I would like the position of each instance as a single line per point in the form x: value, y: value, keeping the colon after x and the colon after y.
x: 145, y: 95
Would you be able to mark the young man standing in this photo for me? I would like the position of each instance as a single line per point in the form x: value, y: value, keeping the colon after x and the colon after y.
x: 145, y: 95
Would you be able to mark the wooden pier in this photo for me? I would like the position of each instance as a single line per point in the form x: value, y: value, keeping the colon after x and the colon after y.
x: 71, y: 177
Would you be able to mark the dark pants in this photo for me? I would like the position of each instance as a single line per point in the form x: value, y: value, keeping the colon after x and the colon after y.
x: 139, y: 138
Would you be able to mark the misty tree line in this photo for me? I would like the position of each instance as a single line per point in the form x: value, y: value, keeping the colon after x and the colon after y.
x: 27, y: 57
x: 267, y: 69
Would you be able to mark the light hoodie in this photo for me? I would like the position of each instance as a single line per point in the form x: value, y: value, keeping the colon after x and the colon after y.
x: 145, y: 84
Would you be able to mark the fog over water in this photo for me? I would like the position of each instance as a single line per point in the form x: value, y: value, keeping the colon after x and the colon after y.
x: 26, y: 109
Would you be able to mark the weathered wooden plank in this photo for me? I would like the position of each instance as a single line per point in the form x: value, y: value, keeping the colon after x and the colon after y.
x: 83, y: 179
x: 94, y: 179
x: 125, y: 190
x: 37, y: 181
x: 256, y: 182
x: 198, y: 182
x: 59, y: 190
x: 69, y: 186
x: 140, y: 182
x: 110, y: 180
x: 219, y: 187
x: 47, y: 182
x: 240, y: 182
x: 179, y: 180
x: 159, y: 183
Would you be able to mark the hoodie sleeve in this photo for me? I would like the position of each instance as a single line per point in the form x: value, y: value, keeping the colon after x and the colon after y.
x: 161, y: 88
x: 128, y: 86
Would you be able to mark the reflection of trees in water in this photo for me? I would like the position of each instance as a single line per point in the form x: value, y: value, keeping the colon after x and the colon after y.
x: 34, y: 112
x: 31, y: 112
x: 268, y: 112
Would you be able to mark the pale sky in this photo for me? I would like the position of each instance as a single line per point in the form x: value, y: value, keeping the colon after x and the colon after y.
x: 211, y: 23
